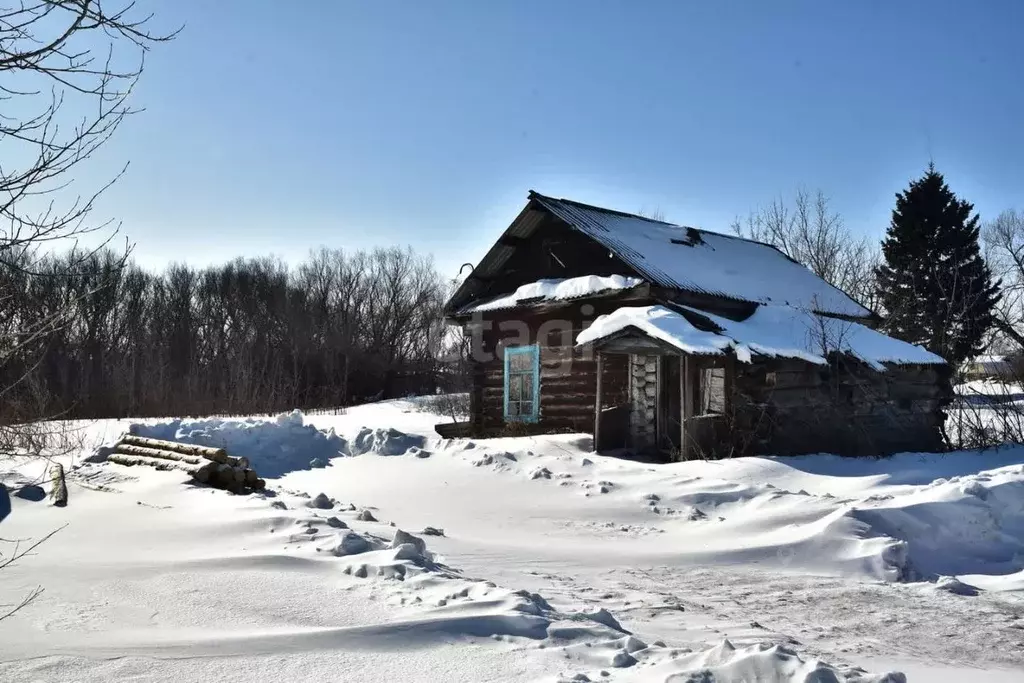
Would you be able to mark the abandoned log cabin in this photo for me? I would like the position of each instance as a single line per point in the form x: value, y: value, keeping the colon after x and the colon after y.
x: 681, y: 343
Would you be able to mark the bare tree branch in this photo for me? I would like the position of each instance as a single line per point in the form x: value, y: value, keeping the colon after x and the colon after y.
x: 15, y: 555
x: 810, y: 232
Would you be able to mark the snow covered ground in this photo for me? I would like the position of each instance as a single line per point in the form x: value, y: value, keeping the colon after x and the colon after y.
x: 554, y: 565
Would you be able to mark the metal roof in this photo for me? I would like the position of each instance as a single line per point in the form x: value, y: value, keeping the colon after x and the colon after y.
x: 679, y: 257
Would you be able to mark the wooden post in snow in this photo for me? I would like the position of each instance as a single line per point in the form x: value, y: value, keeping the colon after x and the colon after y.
x: 597, y: 406
x: 58, y: 485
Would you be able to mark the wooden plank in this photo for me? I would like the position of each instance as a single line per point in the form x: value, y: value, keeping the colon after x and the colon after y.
x: 569, y: 410
x: 729, y: 382
x: 577, y: 384
x: 660, y: 404
x: 597, y: 405
x: 476, y: 395
x: 454, y: 430
x: 687, y: 376
x: 683, y: 453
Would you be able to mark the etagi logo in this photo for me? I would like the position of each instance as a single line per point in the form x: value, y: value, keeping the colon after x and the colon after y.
x: 489, y: 338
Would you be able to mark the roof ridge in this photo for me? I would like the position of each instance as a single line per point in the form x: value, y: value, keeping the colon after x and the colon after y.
x: 615, y: 212
x: 533, y: 194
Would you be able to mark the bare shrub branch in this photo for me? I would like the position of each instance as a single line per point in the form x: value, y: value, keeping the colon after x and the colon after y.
x: 16, y: 554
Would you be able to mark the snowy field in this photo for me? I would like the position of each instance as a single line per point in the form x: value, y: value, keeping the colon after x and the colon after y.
x: 520, y: 559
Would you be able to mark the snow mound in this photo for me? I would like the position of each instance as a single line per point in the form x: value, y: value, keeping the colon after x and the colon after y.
x: 603, y: 616
x: 953, y: 585
x: 894, y: 520
x: 273, y: 446
x: 283, y: 444
x: 368, y: 557
x: 351, y: 543
x: 403, y: 538
x: 387, y: 441
x: 764, y: 663
x: 971, y: 524
x: 321, y: 502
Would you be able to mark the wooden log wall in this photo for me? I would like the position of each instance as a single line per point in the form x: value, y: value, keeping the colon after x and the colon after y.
x: 794, y: 407
x: 568, y: 379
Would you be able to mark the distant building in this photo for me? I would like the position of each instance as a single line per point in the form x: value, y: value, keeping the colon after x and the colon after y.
x: 989, y: 367
x: 681, y: 342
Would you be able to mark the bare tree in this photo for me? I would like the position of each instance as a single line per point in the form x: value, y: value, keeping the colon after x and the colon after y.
x: 1003, y: 241
x: 810, y: 232
x: 655, y: 214
x: 65, y: 80
x: 62, y: 64
x: 67, y: 68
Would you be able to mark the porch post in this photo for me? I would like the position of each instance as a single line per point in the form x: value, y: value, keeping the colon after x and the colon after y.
x: 729, y: 383
x: 686, y: 377
x: 660, y: 404
x: 597, y: 406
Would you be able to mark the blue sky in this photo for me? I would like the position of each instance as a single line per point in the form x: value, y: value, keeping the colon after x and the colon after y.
x: 274, y: 127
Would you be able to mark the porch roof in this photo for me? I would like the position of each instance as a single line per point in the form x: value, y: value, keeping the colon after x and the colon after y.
x: 773, y: 331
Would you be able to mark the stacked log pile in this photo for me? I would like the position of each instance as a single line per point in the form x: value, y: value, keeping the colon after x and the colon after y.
x: 212, y: 466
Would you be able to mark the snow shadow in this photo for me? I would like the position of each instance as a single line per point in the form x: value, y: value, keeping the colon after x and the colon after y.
x: 989, y: 399
x: 910, y: 469
x: 31, y: 492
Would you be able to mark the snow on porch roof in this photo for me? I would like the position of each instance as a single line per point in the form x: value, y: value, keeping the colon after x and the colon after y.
x: 776, y: 331
x: 556, y: 290
x: 702, y: 261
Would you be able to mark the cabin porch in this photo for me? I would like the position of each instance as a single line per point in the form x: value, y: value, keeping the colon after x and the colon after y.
x: 677, y: 406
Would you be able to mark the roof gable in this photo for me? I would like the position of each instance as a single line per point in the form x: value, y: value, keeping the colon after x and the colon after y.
x: 670, y: 256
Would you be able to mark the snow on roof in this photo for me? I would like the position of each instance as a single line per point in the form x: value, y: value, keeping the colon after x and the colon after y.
x: 555, y: 290
x: 777, y: 331
x: 659, y: 323
x: 703, y: 261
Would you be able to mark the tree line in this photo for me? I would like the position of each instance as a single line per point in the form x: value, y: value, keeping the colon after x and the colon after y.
x: 254, y: 335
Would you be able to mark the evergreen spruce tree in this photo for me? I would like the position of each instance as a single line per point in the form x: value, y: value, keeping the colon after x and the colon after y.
x: 934, y: 286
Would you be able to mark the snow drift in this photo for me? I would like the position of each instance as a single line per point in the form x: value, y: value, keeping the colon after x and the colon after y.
x: 762, y: 662
x: 554, y: 563
x: 282, y: 444
x: 907, y: 518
